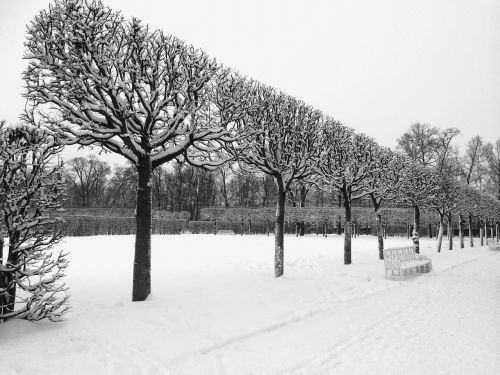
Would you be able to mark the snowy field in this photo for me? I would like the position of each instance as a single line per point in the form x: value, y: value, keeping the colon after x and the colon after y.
x: 216, y: 309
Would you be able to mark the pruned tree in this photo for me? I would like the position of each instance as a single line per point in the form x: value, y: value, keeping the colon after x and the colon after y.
x: 418, y: 186
x: 444, y: 202
x: 95, y: 78
x: 465, y: 208
x: 384, y: 185
x: 283, y: 142
x: 347, y: 165
x: 31, y: 191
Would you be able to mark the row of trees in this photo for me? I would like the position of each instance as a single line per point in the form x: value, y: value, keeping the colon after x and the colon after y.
x: 95, y: 78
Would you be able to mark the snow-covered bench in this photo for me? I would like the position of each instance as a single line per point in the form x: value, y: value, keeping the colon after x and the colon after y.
x: 404, y: 260
x: 494, y: 246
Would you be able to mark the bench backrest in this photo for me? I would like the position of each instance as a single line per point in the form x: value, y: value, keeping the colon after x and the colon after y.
x: 405, y: 253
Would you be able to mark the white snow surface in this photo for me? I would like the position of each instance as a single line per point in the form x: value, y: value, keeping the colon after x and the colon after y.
x: 215, y: 308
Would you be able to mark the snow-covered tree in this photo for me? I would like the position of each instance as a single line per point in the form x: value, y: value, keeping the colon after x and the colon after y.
x: 31, y: 191
x: 347, y: 165
x: 417, y: 187
x: 444, y: 202
x: 384, y: 185
x: 492, y: 154
x: 282, y: 142
x: 98, y: 79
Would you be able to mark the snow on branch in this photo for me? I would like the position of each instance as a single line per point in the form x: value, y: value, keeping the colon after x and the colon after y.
x: 31, y: 191
x: 96, y: 78
x: 281, y: 133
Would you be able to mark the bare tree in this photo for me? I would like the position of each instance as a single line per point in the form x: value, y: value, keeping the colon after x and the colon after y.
x: 417, y: 187
x: 347, y: 165
x: 473, y: 161
x: 95, y: 78
x: 121, y: 188
x: 492, y: 152
x: 447, y: 153
x: 444, y: 202
x: 88, y: 176
x: 384, y: 185
x: 283, y: 142
x: 421, y: 144
x: 31, y: 190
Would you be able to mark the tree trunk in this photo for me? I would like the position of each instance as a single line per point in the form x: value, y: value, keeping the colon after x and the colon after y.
x: 450, y: 233
x: 461, y: 230
x: 347, y: 231
x: 486, y: 232
x: 408, y: 230
x: 380, y: 235
x: 496, y: 230
x: 440, y: 233
x: 492, y: 236
x: 471, y: 237
x: 303, y: 195
x: 6, y: 278
x: 481, y: 238
x: 142, y: 257
x: 279, y: 236
x: 267, y: 227
x: 416, y: 229
x: 224, y: 189
x: 429, y: 228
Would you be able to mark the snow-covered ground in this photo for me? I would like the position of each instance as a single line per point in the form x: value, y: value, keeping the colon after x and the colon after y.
x: 216, y: 309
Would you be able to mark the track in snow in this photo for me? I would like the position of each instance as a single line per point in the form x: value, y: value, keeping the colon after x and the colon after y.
x: 447, y: 323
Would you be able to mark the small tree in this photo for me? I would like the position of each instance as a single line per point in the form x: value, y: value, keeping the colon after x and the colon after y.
x: 31, y: 190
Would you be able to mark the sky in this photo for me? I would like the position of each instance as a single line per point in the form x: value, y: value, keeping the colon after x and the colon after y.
x: 376, y: 66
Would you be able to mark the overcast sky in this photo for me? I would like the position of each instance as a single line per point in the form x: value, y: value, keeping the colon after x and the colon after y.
x: 377, y: 66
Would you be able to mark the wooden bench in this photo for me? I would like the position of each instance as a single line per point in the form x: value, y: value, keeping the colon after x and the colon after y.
x: 404, y: 260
